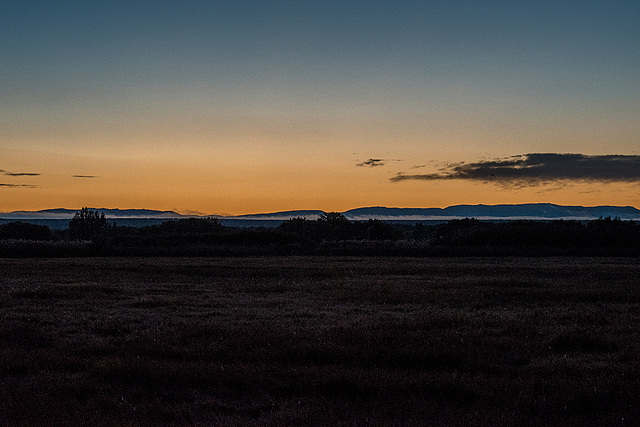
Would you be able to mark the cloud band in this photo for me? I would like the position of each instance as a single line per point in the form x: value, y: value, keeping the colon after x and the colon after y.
x: 372, y: 163
x: 4, y: 172
x: 17, y: 185
x: 539, y: 168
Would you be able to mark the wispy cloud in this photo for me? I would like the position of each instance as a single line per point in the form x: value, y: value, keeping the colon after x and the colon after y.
x: 17, y: 185
x: 85, y: 176
x: 4, y: 172
x: 372, y: 163
x: 533, y: 169
x: 22, y: 174
x: 14, y: 174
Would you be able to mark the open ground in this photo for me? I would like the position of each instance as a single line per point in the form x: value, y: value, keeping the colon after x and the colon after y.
x: 320, y: 341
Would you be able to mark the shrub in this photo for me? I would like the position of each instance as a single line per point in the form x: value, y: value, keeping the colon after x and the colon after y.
x: 24, y: 230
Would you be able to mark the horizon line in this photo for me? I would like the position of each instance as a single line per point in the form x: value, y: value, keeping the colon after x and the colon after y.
x: 192, y: 213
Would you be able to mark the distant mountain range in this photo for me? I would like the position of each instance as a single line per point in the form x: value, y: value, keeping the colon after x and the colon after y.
x: 62, y: 213
x: 540, y: 211
x: 521, y: 211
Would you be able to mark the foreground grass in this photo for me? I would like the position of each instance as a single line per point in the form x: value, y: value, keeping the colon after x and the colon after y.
x: 323, y: 341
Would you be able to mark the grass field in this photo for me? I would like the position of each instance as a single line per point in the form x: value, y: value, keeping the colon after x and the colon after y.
x: 320, y: 341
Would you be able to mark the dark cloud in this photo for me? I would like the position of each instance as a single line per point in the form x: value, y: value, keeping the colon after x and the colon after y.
x: 85, y: 176
x: 18, y: 185
x: 22, y: 174
x: 6, y: 185
x: 528, y: 170
x: 372, y: 163
x: 4, y: 172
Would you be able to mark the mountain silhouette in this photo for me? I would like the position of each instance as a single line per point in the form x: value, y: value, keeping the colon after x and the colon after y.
x: 542, y: 211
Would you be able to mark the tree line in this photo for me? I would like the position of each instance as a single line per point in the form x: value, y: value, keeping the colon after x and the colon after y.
x: 89, y: 233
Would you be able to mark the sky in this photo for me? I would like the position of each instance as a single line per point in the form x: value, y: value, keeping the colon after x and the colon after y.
x: 234, y: 107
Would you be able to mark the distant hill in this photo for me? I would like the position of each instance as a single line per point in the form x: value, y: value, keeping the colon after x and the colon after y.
x: 62, y: 213
x: 521, y: 211
x: 541, y: 211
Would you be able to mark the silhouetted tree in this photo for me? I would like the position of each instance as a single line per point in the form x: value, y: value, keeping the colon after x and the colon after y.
x: 613, y: 232
x: 191, y: 226
x: 333, y: 218
x: 334, y: 226
x: 422, y: 232
x: 297, y: 226
x: 88, y: 225
x: 379, y: 230
x: 24, y: 230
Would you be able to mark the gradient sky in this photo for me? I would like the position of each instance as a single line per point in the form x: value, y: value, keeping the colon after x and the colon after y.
x: 229, y: 107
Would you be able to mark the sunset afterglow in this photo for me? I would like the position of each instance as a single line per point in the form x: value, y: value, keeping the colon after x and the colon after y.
x: 243, y: 107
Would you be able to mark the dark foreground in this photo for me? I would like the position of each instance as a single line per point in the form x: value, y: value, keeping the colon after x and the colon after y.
x: 320, y: 341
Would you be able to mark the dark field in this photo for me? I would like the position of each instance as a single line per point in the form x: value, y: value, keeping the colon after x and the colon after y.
x: 320, y: 341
